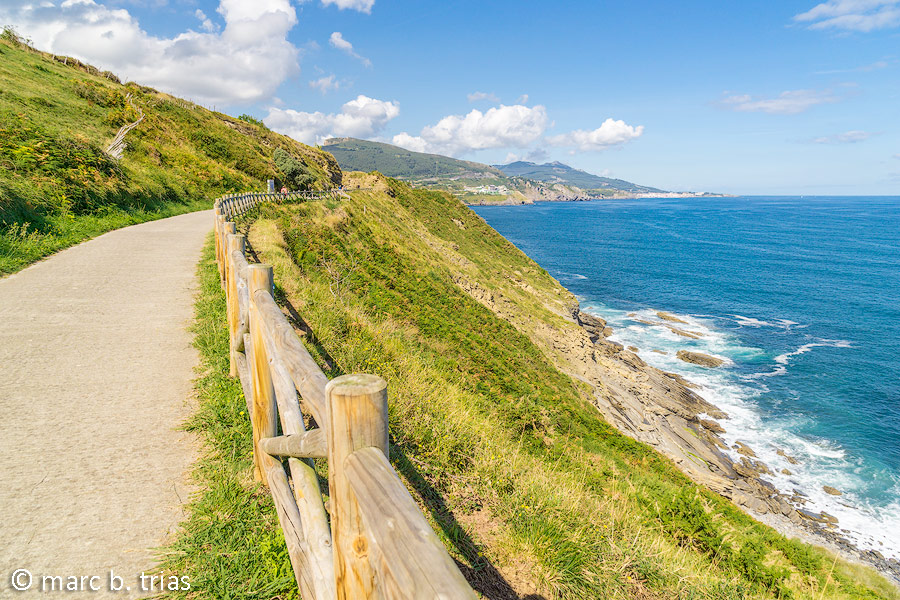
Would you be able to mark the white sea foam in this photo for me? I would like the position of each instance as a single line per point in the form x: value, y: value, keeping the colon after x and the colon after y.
x: 785, y: 324
x: 820, y: 462
x: 563, y: 276
x: 751, y: 322
x: 784, y: 359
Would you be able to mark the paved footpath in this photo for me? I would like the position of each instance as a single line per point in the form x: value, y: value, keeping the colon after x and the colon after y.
x: 96, y: 370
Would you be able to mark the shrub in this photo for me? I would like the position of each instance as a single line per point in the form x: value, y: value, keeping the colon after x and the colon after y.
x: 248, y: 119
x: 295, y: 174
x: 9, y: 34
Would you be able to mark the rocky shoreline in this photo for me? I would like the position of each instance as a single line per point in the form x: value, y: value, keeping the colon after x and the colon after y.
x: 533, y: 192
x: 662, y: 410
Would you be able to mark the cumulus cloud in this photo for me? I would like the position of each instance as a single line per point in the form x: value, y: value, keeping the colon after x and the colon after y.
x: 610, y: 133
x: 360, y: 5
x: 514, y: 126
x: 325, y: 84
x: 337, y: 41
x: 852, y: 15
x: 848, y: 137
x: 244, y: 63
x: 790, y: 102
x: 476, y: 96
x: 363, y: 117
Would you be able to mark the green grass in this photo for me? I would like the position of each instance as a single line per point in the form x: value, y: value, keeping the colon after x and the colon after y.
x: 483, y: 423
x: 21, y: 244
x: 57, y: 185
x: 526, y: 485
x: 231, y: 545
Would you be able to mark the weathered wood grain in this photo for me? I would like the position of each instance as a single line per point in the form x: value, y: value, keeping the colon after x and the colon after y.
x: 302, y: 368
x: 316, y: 530
x: 264, y: 409
x: 409, y: 558
x: 309, y: 444
x: 357, y: 417
x: 291, y: 525
x: 234, y: 244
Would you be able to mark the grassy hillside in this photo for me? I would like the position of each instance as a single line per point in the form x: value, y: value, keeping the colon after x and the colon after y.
x: 557, y: 172
x: 530, y: 489
x: 57, y: 185
x: 393, y: 161
x: 476, y: 183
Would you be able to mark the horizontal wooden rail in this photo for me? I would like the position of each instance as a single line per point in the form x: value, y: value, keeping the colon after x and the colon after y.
x: 376, y: 543
x: 397, y: 529
x: 310, y: 444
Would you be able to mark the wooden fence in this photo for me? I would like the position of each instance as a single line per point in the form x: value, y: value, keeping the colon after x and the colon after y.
x: 376, y: 544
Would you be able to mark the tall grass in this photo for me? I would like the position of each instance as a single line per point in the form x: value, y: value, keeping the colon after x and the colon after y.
x: 57, y: 185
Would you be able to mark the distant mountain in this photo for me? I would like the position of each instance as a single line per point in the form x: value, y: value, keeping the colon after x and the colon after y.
x: 361, y: 155
x: 477, y: 183
x: 557, y: 172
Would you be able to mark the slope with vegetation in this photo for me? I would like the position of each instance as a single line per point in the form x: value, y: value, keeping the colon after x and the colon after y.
x: 59, y: 187
x: 533, y: 492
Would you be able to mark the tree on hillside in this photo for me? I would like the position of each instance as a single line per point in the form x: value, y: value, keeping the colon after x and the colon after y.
x: 294, y: 173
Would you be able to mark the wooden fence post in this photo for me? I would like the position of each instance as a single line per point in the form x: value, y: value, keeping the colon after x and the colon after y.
x: 220, y: 232
x: 232, y: 242
x: 263, y: 417
x: 357, y: 418
x: 216, y: 212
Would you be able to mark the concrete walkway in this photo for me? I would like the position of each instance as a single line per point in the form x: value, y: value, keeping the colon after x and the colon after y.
x: 96, y: 367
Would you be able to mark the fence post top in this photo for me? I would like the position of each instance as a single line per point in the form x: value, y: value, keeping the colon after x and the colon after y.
x: 358, y: 384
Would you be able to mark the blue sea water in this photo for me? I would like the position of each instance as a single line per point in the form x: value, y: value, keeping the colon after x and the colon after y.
x: 800, y: 296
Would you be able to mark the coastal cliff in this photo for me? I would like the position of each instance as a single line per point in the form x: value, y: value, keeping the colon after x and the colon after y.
x: 662, y: 409
x: 556, y: 463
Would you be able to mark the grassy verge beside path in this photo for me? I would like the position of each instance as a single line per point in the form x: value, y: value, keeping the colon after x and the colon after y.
x: 231, y: 545
x: 533, y: 494
x: 21, y: 244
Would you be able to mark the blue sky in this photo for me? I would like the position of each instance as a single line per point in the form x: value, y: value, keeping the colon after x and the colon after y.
x: 794, y: 97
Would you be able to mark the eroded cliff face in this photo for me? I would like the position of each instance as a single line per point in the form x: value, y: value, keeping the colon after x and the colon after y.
x: 661, y: 409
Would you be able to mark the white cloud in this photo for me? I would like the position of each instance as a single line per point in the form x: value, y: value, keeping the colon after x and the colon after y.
x: 205, y: 23
x: 610, y: 133
x: 337, y: 40
x: 514, y: 126
x: 852, y: 15
x: 325, y: 84
x: 360, y: 5
x: 787, y: 103
x: 476, y: 96
x: 244, y: 63
x: 848, y: 137
x: 361, y: 118
x: 523, y: 99
x: 411, y: 142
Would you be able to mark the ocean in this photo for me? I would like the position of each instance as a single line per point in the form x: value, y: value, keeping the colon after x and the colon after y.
x: 800, y: 296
